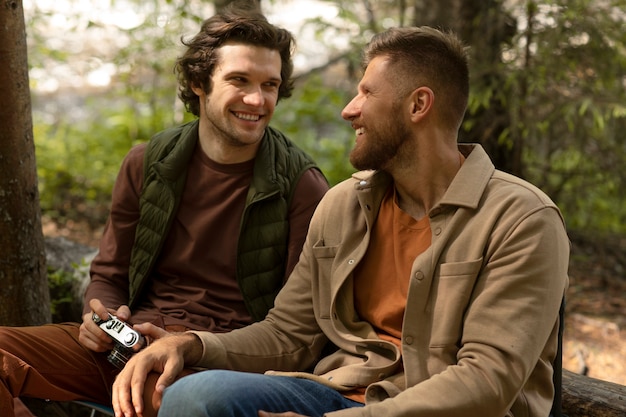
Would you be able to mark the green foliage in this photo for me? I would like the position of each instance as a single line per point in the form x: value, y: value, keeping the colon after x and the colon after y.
x: 568, y: 98
x: 561, y: 80
x: 312, y: 118
x: 66, y: 290
x: 78, y: 162
x: 61, y: 284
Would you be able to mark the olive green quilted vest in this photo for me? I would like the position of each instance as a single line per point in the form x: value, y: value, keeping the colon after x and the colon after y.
x: 264, y: 231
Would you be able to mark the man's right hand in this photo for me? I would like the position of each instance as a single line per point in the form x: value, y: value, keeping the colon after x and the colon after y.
x: 167, y: 356
x: 91, y: 335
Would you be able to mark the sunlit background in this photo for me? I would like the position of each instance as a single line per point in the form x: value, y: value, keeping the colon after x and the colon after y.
x: 92, y: 31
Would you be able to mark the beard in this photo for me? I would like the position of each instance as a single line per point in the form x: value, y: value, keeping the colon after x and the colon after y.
x: 383, y: 143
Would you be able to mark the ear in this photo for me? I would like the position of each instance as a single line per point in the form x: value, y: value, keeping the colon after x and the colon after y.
x: 421, y: 101
x: 197, y: 90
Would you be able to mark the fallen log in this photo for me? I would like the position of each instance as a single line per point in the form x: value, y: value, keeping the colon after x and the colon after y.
x: 589, y: 397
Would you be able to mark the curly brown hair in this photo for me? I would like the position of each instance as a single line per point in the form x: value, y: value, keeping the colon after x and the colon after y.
x: 233, y: 24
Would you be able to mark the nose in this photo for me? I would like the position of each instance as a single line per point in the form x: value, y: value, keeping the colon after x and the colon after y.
x: 351, y: 110
x: 254, y: 97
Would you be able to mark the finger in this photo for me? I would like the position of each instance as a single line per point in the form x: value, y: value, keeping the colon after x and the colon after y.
x: 138, y: 384
x: 115, y: 399
x: 123, y: 313
x: 120, y: 397
x: 97, y: 335
x: 150, y: 330
x: 93, y: 343
x: 164, y: 381
x: 95, y: 304
x: 94, y: 338
x: 98, y: 308
x: 152, y: 402
x: 172, y: 367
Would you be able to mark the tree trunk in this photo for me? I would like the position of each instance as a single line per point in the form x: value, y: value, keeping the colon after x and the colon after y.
x: 485, y: 27
x: 24, y: 295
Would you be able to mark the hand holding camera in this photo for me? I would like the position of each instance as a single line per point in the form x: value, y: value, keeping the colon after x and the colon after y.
x: 126, y: 341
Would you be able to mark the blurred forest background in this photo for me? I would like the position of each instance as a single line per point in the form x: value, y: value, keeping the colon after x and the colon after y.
x: 548, y: 103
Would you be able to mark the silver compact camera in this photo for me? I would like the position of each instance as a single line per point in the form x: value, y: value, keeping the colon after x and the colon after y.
x: 126, y: 341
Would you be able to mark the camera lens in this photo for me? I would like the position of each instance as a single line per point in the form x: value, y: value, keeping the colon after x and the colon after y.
x: 118, y: 357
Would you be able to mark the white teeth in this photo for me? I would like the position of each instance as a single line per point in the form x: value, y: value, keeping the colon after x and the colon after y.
x: 360, y: 131
x: 245, y: 116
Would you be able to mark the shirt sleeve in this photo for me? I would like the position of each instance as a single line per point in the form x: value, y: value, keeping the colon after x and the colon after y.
x: 109, y: 269
x: 310, y: 189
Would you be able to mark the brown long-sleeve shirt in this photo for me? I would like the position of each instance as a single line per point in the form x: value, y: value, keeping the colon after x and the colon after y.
x: 193, y: 283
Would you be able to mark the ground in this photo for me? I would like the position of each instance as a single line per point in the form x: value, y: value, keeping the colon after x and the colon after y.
x: 595, y: 325
x: 595, y: 329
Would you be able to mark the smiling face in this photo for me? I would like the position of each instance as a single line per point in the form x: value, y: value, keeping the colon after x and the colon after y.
x: 376, y: 113
x: 234, y: 114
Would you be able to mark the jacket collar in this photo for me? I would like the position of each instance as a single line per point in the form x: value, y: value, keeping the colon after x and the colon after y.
x: 470, y: 182
x: 465, y: 190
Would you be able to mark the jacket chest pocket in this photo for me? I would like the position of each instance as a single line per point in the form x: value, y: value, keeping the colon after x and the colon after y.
x: 451, y: 298
x: 324, y: 259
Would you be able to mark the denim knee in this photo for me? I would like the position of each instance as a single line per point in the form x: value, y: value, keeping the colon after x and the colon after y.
x: 235, y: 394
x: 203, y: 394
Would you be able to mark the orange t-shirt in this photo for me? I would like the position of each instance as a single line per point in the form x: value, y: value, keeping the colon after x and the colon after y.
x: 381, y: 280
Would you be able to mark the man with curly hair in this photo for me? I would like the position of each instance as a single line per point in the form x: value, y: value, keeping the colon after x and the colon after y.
x: 207, y: 219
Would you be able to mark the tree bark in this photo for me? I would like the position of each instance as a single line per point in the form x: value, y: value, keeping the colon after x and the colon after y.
x: 24, y: 294
x: 590, y: 397
x: 485, y: 27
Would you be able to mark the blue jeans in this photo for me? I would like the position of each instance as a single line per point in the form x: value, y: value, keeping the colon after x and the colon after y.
x: 219, y: 393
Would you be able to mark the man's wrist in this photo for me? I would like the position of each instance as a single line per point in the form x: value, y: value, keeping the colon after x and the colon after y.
x: 192, y: 348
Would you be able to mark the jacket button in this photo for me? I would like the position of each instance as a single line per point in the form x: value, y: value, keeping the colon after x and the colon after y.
x: 438, y: 231
x: 408, y: 340
x: 373, y: 392
x: 419, y: 275
x: 351, y: 261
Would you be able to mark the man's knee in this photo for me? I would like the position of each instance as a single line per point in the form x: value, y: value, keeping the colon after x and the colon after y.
x: 150, y: 398
x: 7, y: 337
x: 209, y: 393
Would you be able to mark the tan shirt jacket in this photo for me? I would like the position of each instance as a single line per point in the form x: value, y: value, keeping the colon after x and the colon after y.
x: 481, y: 321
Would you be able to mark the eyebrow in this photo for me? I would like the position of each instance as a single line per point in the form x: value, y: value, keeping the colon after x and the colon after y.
x: 248, y: 74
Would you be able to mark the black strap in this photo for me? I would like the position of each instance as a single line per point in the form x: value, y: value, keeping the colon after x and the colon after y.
x: 557, y: 376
